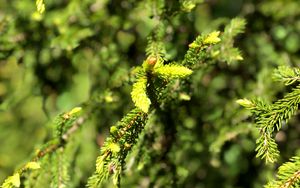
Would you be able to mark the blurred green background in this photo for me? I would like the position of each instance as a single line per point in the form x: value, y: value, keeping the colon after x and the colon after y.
x: 82, y: 52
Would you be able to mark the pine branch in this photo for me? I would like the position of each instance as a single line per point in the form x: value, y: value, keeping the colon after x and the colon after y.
x: 288, y: 175
x: 65, y: 121
x: 227, y: 52
x: 235, y: 27
x: 197, y: 49
x: 156, y: 47
x: 122, y: 137
x: 287, y: 75
x: 256, y: 106
x: 266, y: 146
x: 60, y: 170
x: 281, y: 110
x: 72, y: 121
x: 14, y: 180
x: 270, y: 119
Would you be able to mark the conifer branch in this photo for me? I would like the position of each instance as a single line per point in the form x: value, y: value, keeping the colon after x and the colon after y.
x: 269, y: 118
x: 66, y: 124
x: 197, y: 49
x: 155, y: 47
x: 281, y: 110
x: 235, y: 27
x: 113, y: 153
x: 226, y: 51
x: 60, y: 170
x: 152, y: 77
x: 124, y: 135
x: 108, y: 37
x: 288, y: 175
x: 266, y: 146
x: 287, y: 75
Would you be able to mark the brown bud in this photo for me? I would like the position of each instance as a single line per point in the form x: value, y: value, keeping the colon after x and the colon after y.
x: 152, y: 60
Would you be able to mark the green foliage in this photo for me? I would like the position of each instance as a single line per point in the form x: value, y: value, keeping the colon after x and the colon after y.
x: 172, y: 71
x: 177, y: 67
x: 139, y: 94
x: 188, y: 5
x: 197, y: 49
x: 288, y: 175
x: 228, y: 134
x: 40, y: 6
x: 155, y: 47
x: 12, y: 181
x: 115, y: 149
x: 60, y: 174
x: 280, y: 9
x: 113, y: 153
x: 287, y: 75
x: 227, y: 52
x: 269, y: 118
x: 65, y: 121
x: 65, y: 124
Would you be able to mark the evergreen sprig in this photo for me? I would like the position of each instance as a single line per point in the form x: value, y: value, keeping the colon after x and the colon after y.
x: 101, y: 35
x: 65, y: 124
x: 14, y: 180
x: 235, y: 27
x: 151, y: 68
x: 288, y: 175
x: 197, y: 49
x: 227, y: 51
x: 270, y: 118
x: 114, y: 151
x: 124, y: 135
x: 65, y: 121
x: 287, y: 75
x: 60, y: 173
x: 154, y: 73
x: 156, y: 48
